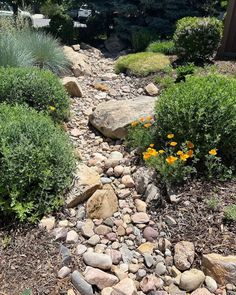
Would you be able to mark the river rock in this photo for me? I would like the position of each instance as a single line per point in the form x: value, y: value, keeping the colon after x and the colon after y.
x: 99, y: 278
x: 87, y: 181
x: 97, y: 260
x: 125, y: 287
x: 102, y: 204
x: 111, y: 118
x: 184, y: 255
x: 221, y: 268
x: 80, y: 284
x: 201, y: 291
x: 192, y: 279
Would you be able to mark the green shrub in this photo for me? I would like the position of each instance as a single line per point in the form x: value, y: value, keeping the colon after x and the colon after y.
x: 165, y: 82
x: 197, y: 39
x: 28, y: 48
x: 165, y: 47
x: 140, y: 39
x: 36, y: 163
x: 185, y: 70
x: 39, y: 89
x: 62, y: 26
x: 141, y: 64
x: 201, y: 110
x: 230, y: 212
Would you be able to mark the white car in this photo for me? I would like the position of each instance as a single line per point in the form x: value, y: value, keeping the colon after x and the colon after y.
x: 6, y: 10
x: 84, y: 12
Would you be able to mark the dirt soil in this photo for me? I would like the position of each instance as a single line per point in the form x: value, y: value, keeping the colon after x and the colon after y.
x: 198, y: 222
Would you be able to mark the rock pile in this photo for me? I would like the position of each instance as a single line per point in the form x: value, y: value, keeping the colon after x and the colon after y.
x: 110, y: 245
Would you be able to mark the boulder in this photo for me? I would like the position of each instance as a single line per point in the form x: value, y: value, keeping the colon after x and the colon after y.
x: 221, y: 268
x: 151, y: 89
x: 86, y: 182
x: 102, y: 204
x: 78, y: 62
x: 112, y: 117
x: 72, y: 86
x: 114, y: 45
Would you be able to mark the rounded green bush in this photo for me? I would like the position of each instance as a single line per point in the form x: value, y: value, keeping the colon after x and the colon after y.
x: 142, y: 63
x: 202, y: 110
x: 37, y: 88
x: 36, y: 163
x: 197, y: 38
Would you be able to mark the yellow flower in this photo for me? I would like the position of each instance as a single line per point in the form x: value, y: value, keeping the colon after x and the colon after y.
x: 171, y: 160
x: 161, y: 152
x: 146, y: 156
x: 142, y: 119
x: 52, y: 108
x: 173, y: 143
x: 184, y: 157
x: 133, y: 124
x: 190, y: 145
x: 152, y: 152
x: 171, y: 135
x: 147, y: 125
x: 190, y: 153
x: 149, y: 118
x: 179, y: 153
x: 213, y: 152
x: 152, y: 145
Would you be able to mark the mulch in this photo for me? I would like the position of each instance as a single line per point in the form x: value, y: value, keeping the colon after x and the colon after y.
x: 197, y: 222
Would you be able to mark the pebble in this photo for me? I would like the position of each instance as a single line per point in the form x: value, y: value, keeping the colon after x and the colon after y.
x: 87, y: 229
x: 80, y: 284
x: 140, y: 218
x: 160, y: 269
x: 125, y: 287
x: 48, y: 223
x: 150, y: 234
x: 63, y: 272
x: 128, y: 181
x: 81, y: 249
x: 102, y: 230
x: 210, y: 284
x: 190, y: 280
x: 141, y: 206
x: 99, y: 278
x: 149, y: 261
x: 94, y: 240
x: 97, y: 260
x: 72, y: 237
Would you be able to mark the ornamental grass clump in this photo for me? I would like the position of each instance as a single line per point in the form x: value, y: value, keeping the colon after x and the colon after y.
x: 36, y: 163
x: 37, y: 88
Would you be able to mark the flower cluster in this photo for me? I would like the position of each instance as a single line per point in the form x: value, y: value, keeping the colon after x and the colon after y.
x: 170, y: 155
x: 145, y: 122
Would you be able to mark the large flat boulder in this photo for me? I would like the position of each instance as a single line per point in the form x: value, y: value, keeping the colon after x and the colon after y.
x: 221, y: 268
x: 111, y: 118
